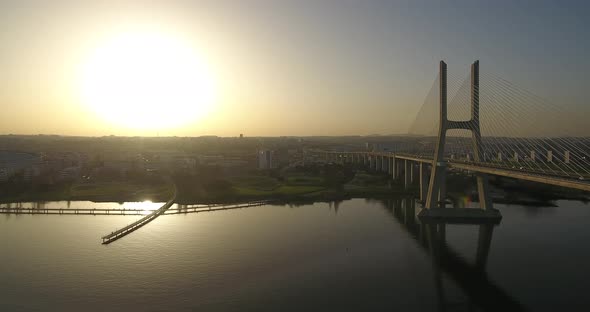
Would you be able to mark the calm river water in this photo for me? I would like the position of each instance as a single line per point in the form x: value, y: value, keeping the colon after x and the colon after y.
x: 362, y: 255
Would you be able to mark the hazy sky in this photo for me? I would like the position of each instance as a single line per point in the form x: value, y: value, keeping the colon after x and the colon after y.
x: 292, y: 67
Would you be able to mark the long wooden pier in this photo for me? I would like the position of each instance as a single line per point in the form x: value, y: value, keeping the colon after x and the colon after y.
x: 109, y: 238
x: 74, y: 211
x: 165, y: 209
x: 113, y: 236
x: 215, y: 207
x: 180, y: 209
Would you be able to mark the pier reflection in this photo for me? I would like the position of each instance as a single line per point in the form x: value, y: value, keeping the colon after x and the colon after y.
x: 481, y: 294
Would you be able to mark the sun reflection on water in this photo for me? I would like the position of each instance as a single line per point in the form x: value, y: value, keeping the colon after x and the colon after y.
x: 146, y: 207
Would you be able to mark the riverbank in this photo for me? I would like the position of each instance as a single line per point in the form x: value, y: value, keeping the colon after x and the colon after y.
x: 199, y: 189
x: 117, y: 191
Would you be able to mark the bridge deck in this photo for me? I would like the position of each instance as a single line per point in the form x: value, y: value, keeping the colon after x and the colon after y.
x: 488, y: 168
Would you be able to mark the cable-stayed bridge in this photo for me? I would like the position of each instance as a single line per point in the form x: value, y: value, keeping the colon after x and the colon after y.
x: 488, y: 127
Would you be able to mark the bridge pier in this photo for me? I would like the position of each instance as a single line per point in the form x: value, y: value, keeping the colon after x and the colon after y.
x: 385, y: 161
x: 406, y: 173
x: 436, y: 196
x: 389, y: 165
x: 423, y: 182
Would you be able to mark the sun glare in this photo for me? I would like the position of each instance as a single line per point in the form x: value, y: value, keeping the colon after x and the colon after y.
x: 147, y: 81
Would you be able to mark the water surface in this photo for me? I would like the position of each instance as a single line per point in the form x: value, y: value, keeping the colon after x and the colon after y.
x: 360, y: 255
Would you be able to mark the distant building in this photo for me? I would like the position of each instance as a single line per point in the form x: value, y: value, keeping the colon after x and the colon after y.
x: 12, y: 163
x: 265, y: 159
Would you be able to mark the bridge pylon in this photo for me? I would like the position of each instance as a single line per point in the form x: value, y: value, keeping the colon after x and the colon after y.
x: 436, y: 196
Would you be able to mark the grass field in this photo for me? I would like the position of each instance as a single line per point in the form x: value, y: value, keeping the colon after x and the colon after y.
x: 120, y: 189
x: 268, y: 186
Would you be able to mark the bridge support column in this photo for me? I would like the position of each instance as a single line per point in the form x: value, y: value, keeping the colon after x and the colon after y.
x: 406, y: 173
x: 549, y: 156
x: 389, y: 167
x: 566, y: 157
x: 436, y: 196
x: 393, y: 167
x: 423, y: 182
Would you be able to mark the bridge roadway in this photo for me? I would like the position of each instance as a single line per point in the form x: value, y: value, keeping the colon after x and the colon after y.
x: 488, y: 168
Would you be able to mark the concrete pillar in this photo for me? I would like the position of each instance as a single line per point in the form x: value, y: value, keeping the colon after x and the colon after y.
x: 375, y: 159
x: 533, y: 156
x: 566, y: 157
x: 389, y: 166
x: 516, y: 156
x: 411, y: 172
x: 423, y: 182
x: 406, y: 173
x: 549, y: 156
x: 468, y: 157
x: 499, y: 156
x: 439, y: 170
x: 393, y: 167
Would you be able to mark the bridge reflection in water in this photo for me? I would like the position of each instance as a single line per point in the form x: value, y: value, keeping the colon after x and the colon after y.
x: 481, y: 293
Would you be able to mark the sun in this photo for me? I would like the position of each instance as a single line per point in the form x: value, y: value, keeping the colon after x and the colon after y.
x: 147, y: 80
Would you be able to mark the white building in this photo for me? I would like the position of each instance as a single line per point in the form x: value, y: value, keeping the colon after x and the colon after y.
x: 265, y: 159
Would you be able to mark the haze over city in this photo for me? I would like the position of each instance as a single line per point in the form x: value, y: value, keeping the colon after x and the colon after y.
x: 265, y: 68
